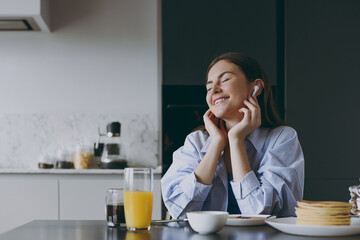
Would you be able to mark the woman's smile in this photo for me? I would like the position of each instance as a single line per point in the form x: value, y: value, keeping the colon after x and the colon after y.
x: 220, y: 100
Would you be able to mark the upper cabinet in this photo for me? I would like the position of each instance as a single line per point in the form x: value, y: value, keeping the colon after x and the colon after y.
x: 24, y: 15
x: 322, y: 55
x: 195, y: 32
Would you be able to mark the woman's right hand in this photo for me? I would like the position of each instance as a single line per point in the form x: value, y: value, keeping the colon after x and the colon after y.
x: 204, y: 172
x: 216, y: 129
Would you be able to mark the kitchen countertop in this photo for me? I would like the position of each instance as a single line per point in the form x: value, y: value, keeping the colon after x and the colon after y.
x: 157, y: 170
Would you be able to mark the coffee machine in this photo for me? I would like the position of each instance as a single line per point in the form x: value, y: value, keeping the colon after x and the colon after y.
x: 111, y: 157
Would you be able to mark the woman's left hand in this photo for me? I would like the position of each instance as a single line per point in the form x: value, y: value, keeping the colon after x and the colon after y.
x: 251, y: 120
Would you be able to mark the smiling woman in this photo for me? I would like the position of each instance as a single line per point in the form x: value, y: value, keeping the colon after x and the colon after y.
x: 247, y: 69
x: 246, y: 161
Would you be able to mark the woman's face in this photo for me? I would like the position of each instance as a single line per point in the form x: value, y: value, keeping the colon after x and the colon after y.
x: 227, y: 88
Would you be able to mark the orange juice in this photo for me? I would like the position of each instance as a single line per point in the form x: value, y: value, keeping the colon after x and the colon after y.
x: 138, y: 209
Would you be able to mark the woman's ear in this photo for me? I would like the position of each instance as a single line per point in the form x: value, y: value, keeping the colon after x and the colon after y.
x: 260, y: 84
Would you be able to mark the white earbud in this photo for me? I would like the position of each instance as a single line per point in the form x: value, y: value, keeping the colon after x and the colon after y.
x: 255, y: 90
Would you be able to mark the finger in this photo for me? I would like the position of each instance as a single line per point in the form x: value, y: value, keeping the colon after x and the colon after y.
x: 255, y: 110
x: 257, y: 114
x: 246, y: 113
x: 254, y: 101
x: 208, y: 113
x: 252, y: 108
x: 211, y: 115
x: 207, y: 118
x: 250, y: 105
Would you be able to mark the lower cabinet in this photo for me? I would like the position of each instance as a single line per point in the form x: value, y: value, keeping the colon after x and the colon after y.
x: 84, y: 199
x: 27, y: 197
x: 23, y: 200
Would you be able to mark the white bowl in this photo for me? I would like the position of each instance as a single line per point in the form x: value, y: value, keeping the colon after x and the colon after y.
x: 205, y: 222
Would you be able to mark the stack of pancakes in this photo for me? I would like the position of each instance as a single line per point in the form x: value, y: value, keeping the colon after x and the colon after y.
x: 322, y: 213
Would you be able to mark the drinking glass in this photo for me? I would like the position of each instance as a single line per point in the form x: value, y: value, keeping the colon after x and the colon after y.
x: 138, y: 198
x: 114, y: 209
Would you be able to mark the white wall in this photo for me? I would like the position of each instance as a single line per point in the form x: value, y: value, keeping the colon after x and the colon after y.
x: 101, y: 59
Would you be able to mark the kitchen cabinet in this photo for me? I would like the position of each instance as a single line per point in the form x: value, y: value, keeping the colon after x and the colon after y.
x: 322, y: 55
x: 194, y: 32
x: 23, y: 200
x: 78, y: 196
x: 60, y: 195
x: 84, y: 198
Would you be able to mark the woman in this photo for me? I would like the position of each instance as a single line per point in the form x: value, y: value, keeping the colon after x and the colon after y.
x: 247, y: 161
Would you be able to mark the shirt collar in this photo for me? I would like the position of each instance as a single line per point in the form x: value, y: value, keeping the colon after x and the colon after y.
x: 257, y: 139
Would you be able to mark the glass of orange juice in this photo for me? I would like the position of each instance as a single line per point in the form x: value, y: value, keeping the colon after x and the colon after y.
x: 138, y: 198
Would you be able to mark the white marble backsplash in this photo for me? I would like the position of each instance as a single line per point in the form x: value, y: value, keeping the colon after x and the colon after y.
x: 24, y: 138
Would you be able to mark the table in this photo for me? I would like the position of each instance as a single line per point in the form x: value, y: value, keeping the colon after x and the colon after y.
x: 98, y: 230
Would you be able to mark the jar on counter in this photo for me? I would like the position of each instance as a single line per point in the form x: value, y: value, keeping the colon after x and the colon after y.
x: 45, y: 162
x: 82, y: 158
x: 63, y: 160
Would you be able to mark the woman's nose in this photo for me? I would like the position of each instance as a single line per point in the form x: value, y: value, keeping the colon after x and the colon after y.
x: 215, y: 89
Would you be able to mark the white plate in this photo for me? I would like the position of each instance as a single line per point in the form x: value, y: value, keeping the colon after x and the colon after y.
x: 288, y: 225
x: 246, y: 222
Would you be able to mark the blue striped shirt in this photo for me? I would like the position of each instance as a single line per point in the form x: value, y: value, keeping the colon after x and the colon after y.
x: 273, y: 186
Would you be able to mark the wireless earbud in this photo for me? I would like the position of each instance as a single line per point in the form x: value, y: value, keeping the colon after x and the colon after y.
x: 255, y: 90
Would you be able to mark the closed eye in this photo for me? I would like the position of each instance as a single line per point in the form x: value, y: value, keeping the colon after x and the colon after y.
x: 226, y: 79
x: 208, y: 89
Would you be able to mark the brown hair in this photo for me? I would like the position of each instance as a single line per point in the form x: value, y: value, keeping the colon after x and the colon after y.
x: 252, y: 70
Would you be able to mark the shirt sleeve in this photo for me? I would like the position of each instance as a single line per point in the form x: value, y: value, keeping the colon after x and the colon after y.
x: 278, y: 184
x: 180, y: 190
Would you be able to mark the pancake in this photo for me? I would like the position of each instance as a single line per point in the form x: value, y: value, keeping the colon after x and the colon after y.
x: 323, y: 204
x: 323, y: 213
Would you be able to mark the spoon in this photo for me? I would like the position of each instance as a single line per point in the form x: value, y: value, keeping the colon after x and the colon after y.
x: 167, y: 221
